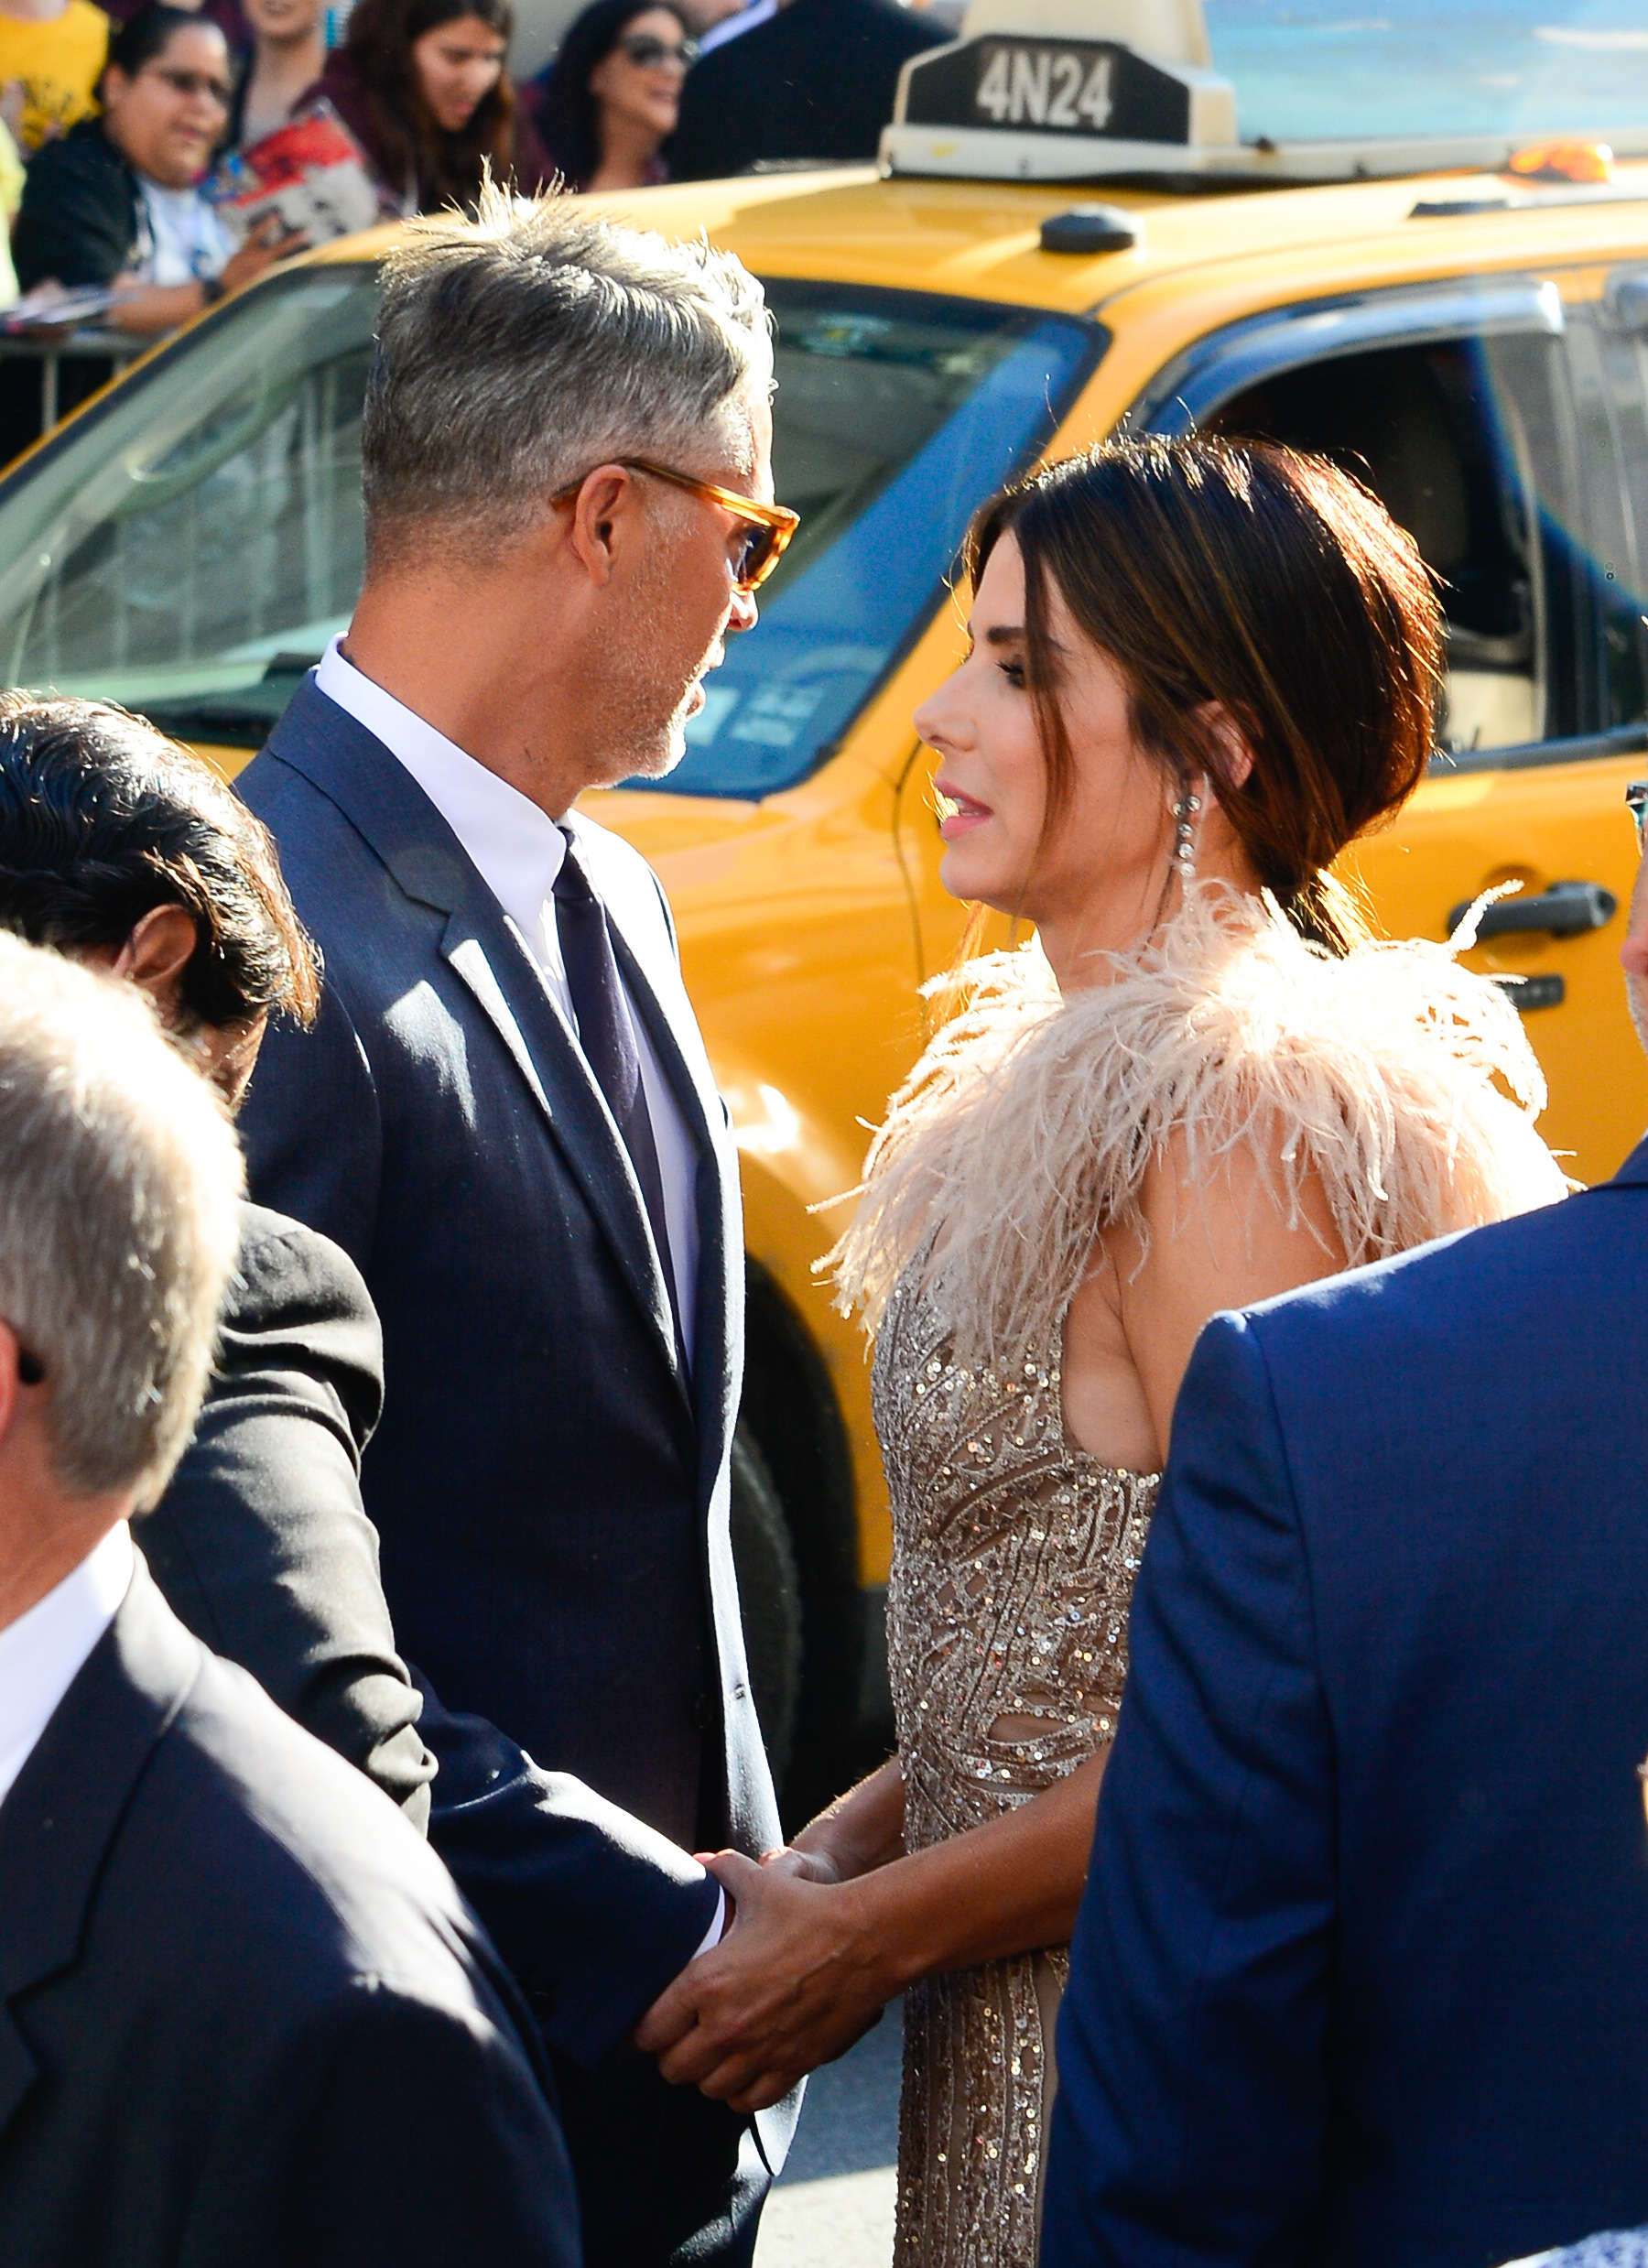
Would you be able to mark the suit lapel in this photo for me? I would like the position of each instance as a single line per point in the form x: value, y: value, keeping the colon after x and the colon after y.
x: 580, y: 1120
x: 351, y: 767
x: 65, y: 1808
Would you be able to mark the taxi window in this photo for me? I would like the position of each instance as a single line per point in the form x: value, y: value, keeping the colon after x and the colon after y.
x: 188, y: 548
x: 1503, y: 457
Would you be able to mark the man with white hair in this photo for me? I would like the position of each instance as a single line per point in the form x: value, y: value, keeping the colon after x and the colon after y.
x: 235, y: 1987
x: 504, y: 1115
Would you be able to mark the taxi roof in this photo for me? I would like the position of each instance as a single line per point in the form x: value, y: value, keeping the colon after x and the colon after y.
x: 982, y: 239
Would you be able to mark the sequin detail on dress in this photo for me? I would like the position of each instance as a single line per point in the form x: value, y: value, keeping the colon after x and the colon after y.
x: 1015, y: 1554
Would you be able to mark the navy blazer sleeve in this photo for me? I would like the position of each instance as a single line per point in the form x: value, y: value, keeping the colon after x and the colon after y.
x: 261, y: 1543
x: 1192, y: 2097
x: 594, y: 1912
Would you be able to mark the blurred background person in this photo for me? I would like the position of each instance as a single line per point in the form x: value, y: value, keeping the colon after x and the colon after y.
x: 421, y: 85
x: 815, y: 78
x: 116, y: 202
x: 51, y: 57
x: 288, y: 54
x: 611, y: 98
x: 125, y: 852
x: 227, y: 14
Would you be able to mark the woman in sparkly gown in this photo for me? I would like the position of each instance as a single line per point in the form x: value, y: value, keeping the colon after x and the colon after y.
x: 1197, y: 672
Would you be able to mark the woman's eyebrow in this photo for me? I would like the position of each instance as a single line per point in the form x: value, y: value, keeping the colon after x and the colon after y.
x: 1014, y: 633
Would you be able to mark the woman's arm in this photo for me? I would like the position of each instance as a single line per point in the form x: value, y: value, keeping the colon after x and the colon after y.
x: 858, y: 1833
x: 148, y: 309
x: 807, y: 1965
x: 1211, y: 1240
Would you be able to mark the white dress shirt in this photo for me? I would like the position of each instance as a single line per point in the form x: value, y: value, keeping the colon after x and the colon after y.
x: 754, y: 12
x: 43, y: 1651
x: 517, y: 850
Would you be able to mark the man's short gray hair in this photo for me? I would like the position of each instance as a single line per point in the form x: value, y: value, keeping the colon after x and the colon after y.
x: 119, y: 1174
x: 517, y: 351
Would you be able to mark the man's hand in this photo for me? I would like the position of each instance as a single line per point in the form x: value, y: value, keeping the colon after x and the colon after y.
x: 792, y: 1984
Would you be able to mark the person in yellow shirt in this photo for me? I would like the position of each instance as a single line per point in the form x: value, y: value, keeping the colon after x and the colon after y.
x: 51, y: 58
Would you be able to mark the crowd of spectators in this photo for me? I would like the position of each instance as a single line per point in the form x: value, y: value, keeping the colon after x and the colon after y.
x: 114, y: 118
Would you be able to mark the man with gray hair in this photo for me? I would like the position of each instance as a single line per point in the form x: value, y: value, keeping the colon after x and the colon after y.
x: 233, y: 1981
x: 504, y: 1115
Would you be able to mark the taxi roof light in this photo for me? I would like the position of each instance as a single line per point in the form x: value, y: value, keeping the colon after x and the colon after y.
x: 1563, y: 161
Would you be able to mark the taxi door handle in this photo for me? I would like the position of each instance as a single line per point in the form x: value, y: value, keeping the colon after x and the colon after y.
x: 1566, y: 909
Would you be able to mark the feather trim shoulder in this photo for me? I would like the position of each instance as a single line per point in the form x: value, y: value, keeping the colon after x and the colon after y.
x: 1400, y: 1084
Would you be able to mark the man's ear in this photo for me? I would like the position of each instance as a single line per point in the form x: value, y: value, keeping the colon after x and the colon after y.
x: 1233, y: 752
x: 156, y: 953
x: 12, y: 1388
x: 604, y: 515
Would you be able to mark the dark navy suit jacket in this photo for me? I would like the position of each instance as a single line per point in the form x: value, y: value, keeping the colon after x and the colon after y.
x: 245, y: 2020
x: 550, y: 1488
x: 1362, y: 1973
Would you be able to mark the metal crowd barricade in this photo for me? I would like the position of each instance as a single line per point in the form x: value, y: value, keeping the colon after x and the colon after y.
x: 49, y: 348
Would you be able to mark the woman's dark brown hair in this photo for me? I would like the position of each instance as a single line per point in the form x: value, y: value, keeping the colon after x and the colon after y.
x: 1249, y: 575
x: 103, y: 819
x: 413, y: 148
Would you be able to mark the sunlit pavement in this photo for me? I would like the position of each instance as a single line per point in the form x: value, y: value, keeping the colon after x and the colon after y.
x: 834, y: 2208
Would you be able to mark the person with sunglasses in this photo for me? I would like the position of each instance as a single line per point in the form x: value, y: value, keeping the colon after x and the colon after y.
x: 609, y: 100
x: 424, y: 87
x: 504, y: 1113
x: 116, y: 202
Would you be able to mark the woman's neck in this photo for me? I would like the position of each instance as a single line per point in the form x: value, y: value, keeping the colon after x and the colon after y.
x: 627, y: 150
x: 282, y: 69
x: 1084, y: 942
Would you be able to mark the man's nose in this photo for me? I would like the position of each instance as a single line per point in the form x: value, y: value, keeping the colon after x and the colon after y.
x: 745, y: 613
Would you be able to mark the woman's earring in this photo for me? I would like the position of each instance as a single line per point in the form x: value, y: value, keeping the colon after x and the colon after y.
x: 1184, y: 852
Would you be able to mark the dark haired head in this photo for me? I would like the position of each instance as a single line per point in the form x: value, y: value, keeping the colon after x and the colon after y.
x: 149, y: 33
x: 103, y: 819
x: 417, y: 150
x: 569, y: 114
x: 1247, y: 575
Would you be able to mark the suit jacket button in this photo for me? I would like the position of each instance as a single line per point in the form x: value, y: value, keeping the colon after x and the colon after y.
x: 703, y: 1712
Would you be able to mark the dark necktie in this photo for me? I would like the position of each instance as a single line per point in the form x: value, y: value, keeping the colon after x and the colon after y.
x: 608, y: 1038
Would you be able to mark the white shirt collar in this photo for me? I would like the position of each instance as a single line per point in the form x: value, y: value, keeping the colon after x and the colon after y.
x: 754, y: 12
x: 43, y: 1651
x: 517, y: 848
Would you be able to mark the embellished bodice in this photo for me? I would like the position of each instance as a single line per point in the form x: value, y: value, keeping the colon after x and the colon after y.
x: 1014, y: 1558
x: 1014, y: 1553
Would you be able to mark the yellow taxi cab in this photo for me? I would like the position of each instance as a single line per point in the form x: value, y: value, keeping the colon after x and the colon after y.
x: 1464, y: 320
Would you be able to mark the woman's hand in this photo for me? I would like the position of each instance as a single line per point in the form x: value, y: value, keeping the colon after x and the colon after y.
x: 267, y: 242
x: 794, y: 1982
x: 805, y: 1866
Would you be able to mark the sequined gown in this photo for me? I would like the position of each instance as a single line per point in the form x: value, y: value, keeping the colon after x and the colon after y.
x: 1014, y: 1553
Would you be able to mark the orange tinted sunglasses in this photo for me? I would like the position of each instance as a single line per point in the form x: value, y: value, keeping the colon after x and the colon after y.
x: 769, y: 526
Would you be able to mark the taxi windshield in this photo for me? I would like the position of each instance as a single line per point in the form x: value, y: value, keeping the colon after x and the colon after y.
x: 188, y: 548
x: 1308, y: 70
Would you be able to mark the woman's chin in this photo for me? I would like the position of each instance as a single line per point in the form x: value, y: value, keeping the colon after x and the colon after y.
x: 975, y: 880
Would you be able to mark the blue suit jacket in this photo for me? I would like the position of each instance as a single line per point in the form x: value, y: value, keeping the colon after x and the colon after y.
x: 1361, y: 1972
x: 550, y: 1488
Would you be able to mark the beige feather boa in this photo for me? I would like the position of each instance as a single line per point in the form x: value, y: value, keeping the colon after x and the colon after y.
x: 1402, y: 1082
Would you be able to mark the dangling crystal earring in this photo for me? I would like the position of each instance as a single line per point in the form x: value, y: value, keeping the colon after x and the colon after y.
x: 1184, y: 853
